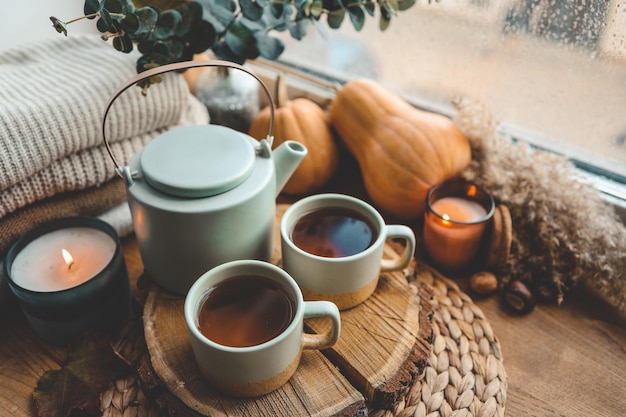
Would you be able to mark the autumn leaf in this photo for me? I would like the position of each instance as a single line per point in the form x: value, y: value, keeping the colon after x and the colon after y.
x: 75, y: 389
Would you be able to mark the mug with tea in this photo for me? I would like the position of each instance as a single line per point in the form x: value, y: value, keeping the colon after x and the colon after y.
x: 332, y: 245
x: 245, y: 320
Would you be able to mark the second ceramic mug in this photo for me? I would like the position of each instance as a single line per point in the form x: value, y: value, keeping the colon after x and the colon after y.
x: 243, y: 368
x: 345, y: 280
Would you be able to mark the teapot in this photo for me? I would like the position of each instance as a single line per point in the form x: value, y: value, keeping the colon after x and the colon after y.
x: 203, y: 195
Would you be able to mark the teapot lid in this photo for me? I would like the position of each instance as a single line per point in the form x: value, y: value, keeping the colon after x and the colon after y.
x: 197, y: 161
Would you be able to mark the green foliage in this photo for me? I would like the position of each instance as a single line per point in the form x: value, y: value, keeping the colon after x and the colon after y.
x: 169, y: 31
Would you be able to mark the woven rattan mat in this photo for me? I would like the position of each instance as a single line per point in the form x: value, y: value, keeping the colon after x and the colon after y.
x: 465, y: 375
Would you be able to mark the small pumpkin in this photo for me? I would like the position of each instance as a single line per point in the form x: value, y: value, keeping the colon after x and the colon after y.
x: 402, y: 151
x: 306, y: 122
x: 191, y: 75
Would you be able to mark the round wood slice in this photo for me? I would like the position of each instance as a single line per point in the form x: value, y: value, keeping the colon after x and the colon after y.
x: 383, y: 349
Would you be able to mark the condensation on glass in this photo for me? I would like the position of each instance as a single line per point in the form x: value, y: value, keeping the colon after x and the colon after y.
x: 551, y: 71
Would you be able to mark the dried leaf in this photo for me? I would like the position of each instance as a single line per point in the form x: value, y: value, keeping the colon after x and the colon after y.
x: 91, y: 366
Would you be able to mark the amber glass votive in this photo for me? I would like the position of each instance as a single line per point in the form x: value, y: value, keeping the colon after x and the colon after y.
x: 69, y: 276
x: 457, y: 212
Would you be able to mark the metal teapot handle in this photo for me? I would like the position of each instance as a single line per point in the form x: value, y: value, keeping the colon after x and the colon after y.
x: 173, y: 67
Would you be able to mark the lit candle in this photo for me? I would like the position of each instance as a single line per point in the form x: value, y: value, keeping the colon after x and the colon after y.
x: 69, y: 276
x: 62, y: 259
x: 456, y: 215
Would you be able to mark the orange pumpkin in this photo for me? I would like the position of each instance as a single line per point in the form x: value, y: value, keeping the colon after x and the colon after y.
x: 402, y: 151
x: 306, y: 122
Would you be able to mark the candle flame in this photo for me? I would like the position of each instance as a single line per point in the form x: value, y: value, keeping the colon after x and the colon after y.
x: 471, y: 192
x: 67, y: 257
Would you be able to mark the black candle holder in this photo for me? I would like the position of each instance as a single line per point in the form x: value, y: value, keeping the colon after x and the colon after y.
x: 99, y: 304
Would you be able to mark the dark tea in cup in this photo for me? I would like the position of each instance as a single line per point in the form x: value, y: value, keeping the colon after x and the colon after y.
x: 333, y: 232
x: 245, y: 310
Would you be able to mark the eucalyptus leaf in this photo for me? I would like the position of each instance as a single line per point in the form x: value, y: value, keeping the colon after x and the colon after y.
x: 317, y: 8
x: 277, y: 10
x: 227, y: 4
x: 191, y: 14
x: 391, y: 7
x: 192, y: 10
x: 241, y: 41
x: 167, y: 24
x: 59, y: 25
x: 269, y: 46
x: 220, y: 15
x: 173, y: 49
x: 357, y: 16
x: 91, y: 7
x: 112, y: 6
x: 385, y: 19
x: 251, y: 9
x: 405, y: 4
x: 370, y: 8
x: 254, y: 25
x: 148, y: 17
x: 202, y: 37
x: 335, y: 18
x: 282, y: 18
x: 298, y: 28
x: 145, y: 47
x: 222, y: 51
x: 104, y: 23
x: 130, y: 23
x: 123, y: 43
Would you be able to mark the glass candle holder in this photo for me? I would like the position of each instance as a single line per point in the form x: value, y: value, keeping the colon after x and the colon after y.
x: 231, y: 97
x: 457, y: 212
x: 69, y: 276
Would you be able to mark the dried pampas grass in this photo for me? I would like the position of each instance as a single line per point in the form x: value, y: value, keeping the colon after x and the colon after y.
x: 564, y: 234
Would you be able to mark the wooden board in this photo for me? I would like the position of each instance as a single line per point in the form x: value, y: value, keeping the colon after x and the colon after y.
x: 383, y: 349
x: 385, y: 341
x: 173, y: 361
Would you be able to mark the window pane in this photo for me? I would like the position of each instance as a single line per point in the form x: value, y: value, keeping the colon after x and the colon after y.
x: 552, y: 71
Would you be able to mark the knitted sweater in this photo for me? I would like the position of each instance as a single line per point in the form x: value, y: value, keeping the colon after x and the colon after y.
x: 52, y: 98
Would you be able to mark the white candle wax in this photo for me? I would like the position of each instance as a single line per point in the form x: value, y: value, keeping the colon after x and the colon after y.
x: 459, y: 209
x: 40, y: 265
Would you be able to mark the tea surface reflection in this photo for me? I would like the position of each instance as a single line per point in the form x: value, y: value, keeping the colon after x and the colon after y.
x: 245, y: 310
x: 333, y: 232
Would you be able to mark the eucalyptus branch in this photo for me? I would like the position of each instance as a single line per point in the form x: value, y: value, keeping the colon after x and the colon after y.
x: 90, y: 16
x: 182, y: 28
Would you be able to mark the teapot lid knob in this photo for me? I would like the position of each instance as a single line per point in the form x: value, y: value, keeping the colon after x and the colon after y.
x: 197, y: 161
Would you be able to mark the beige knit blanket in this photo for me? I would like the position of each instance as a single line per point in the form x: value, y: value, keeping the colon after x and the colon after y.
x: 52, y: 98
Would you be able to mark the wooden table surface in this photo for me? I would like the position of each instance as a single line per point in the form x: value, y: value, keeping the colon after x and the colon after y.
x: 567, y: 360
x: 560, y: 361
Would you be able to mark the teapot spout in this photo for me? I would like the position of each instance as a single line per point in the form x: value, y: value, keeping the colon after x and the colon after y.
x: 287, y: 157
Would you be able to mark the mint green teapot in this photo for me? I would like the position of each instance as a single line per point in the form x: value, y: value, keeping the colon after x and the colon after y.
x: 203, y: 195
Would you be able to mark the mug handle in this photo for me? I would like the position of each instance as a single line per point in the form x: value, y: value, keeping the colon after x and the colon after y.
x: 402, y: 232
x: 326, y: 339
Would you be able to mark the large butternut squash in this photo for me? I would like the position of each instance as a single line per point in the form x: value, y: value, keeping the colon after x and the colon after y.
x: 402, y: 151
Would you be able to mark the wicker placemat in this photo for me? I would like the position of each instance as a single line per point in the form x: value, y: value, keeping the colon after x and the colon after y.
x: 465, y: 375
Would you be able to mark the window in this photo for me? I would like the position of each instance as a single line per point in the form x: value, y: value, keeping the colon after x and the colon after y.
x: 552, y: 71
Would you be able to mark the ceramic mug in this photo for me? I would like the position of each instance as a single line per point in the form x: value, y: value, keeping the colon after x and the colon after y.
x: 234, y: 362
x: 347, y: 279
